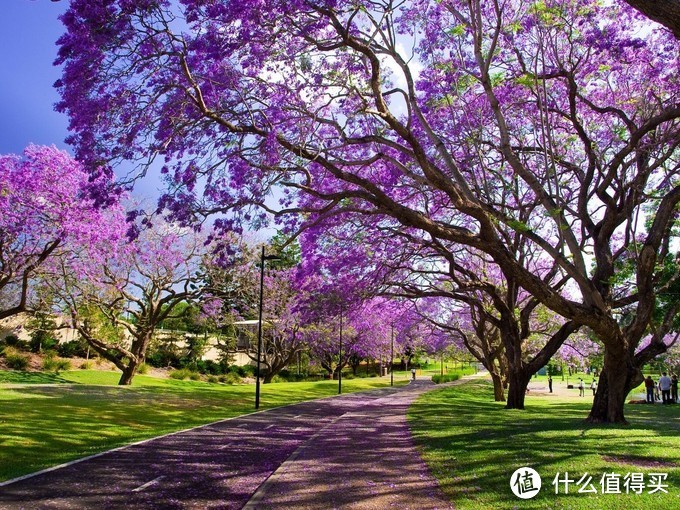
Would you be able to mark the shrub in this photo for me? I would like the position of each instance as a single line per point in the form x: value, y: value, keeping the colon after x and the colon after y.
x: 11, y: 340
x: 42, y: 340
x: 212, y: 379
x: 143, y: 369
x: 72, y: 349
x: 230, y: 378
x: 53, y: 364
x: 163, y: 355
x: 214, y: 368
x: 234, y: 370
x: 180, y: 374
x: 185, y: 373
x: 86, y: 365
x: 439, y: 379
x: 14, y: 359
x: 248, y: 370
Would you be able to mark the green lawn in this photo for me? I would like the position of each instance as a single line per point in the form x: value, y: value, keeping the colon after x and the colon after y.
x: 47, y: 420
x: 473, y: 446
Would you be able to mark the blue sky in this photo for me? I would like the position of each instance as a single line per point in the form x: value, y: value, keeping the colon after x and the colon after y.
x: 28, y: 32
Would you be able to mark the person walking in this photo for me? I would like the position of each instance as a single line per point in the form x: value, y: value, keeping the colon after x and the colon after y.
x: 593, y: 386
x: 649, y: 386
x: 413, y: 374
x: 550, y: 384
x: 674, y: 388
x: 581, y: 388
x: 665, y: 387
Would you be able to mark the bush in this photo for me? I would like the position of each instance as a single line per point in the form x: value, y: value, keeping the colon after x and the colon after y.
x: 213, y: 379
x: 248, y: 370
x: 53, y: 364
x: 143, y: 369
x: 72, y: 349
x: 238, y: 370
x: 439, y: 379
x: 14, y: 359
x: 165, y: 353
x: 11, y: 340
x: 230, y: 378
x: 185, y: 373
x: 180, y: 374
x: 42, y: 340
x: 213, y: 367
x: 86, y: 365
x: 205, y: 366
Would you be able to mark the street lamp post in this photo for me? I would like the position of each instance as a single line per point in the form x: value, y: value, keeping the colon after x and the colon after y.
x: 392, y: 358
x: 340, y: 358
x: 263, y: 257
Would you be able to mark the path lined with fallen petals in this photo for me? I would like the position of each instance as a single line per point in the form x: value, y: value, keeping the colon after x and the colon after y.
x: 352, y: 451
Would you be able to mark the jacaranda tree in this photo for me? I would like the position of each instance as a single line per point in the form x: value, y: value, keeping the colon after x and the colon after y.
x: 118, y: 293
x: 45, y: 210
x: 422, y: 112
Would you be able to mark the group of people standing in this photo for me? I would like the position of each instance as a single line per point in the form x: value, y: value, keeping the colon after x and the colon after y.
x: 667, y: 386
x: 582, y: 387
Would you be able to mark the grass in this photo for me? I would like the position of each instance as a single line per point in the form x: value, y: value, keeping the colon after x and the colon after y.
x: 473, y: 446
x: 48, y: 419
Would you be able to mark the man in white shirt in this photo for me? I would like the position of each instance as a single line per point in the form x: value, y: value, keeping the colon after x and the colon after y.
x: 665, y: 387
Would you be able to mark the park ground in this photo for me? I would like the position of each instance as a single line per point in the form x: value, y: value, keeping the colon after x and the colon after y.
x: 471, y: 443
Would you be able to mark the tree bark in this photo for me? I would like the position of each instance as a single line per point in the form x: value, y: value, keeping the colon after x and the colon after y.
x: 128, y: 373
x: 498, y: 391
x: 517, y: 390
x: 619, y: 375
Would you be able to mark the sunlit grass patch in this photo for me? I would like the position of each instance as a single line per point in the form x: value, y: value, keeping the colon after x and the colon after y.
x: 473, y: 445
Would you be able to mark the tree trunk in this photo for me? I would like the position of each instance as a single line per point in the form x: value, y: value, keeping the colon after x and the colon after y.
x: 517, y: 390
x: 128, y: 373
x: 498, y: 391
x: 617, y: 378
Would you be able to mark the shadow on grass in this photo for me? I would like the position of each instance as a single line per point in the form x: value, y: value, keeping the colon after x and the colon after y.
x: 473, y: 444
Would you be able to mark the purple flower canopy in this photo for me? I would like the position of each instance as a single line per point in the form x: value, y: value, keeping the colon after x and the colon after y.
x: 529, y: 138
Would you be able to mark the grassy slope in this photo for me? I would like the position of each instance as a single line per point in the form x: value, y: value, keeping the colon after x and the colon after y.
x: 473, y: 445
x: 44, y: 424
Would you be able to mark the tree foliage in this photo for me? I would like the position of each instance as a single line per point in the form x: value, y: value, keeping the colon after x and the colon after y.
x: 459, y: 122
x: 45, y: 211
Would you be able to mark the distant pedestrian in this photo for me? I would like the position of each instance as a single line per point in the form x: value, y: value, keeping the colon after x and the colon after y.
x: 674, y: 388
x: 649, y: 386
x: 665, y: 387
x: 593, y: 386
x: 550, y: 384
x: 413, y: 374
x: 581, y: 388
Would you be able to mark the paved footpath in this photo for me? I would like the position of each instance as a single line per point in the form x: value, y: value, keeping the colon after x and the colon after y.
x: 354, y: 451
